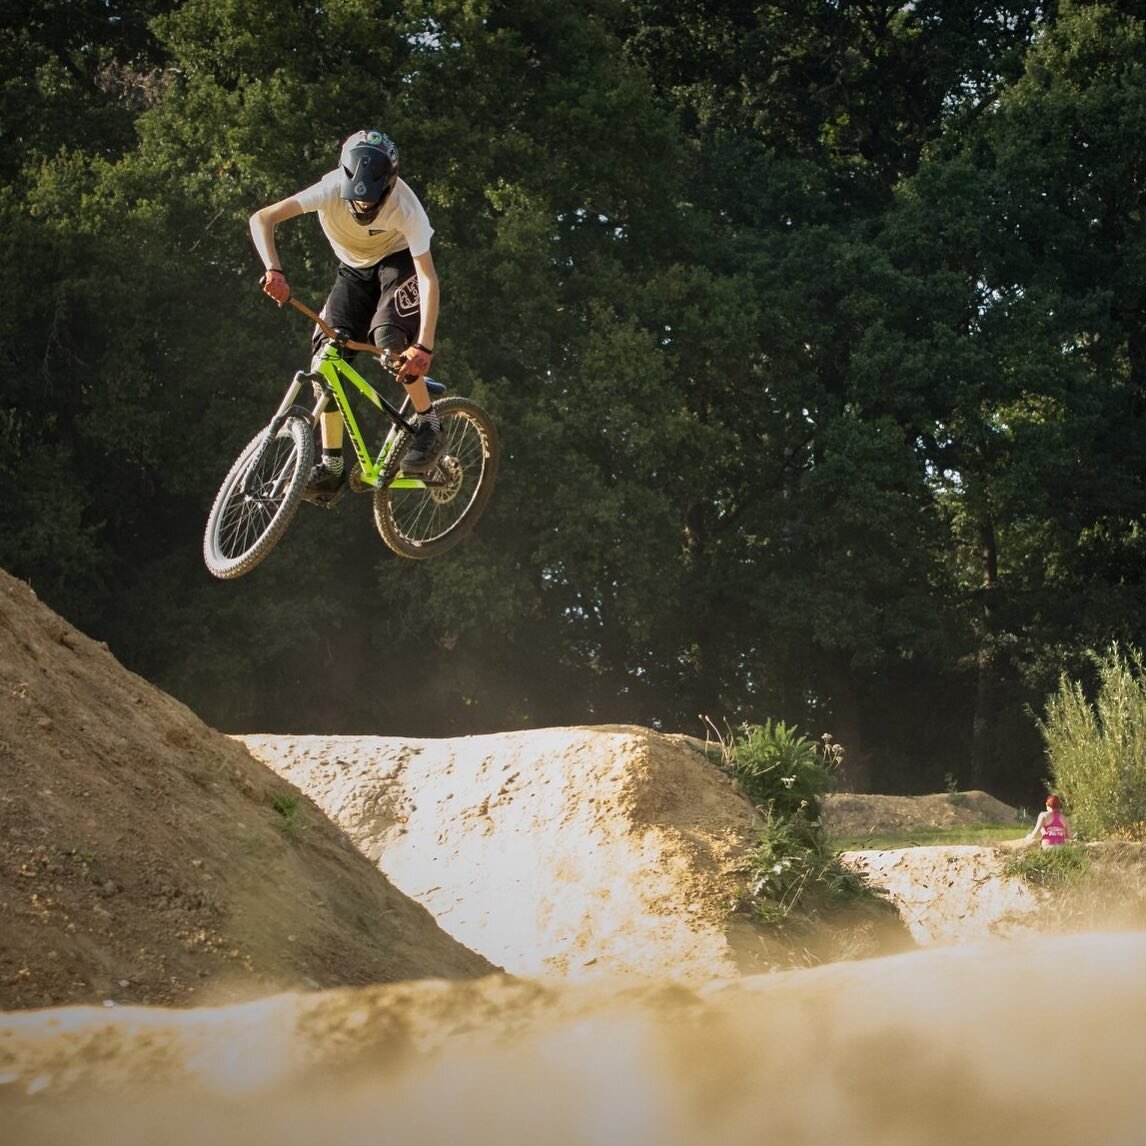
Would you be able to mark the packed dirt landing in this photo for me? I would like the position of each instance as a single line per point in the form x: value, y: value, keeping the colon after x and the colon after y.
x: 1016, y: 1042
x: 574, y: 852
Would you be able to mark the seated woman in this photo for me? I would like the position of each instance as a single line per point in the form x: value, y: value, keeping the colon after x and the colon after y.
x: 1051, y: 828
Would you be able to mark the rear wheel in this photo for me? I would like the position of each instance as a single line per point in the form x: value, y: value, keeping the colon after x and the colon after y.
x: 258, y: 500
x: 431, y: 516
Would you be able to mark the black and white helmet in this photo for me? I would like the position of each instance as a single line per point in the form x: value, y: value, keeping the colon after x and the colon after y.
x: 369, y: 165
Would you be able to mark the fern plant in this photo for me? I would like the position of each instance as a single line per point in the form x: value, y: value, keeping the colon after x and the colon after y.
x: 781, y: 770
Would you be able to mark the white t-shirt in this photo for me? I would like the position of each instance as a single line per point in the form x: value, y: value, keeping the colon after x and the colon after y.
x: 401, y: 223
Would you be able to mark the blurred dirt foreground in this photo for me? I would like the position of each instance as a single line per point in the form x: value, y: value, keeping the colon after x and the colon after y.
x: 524, y: 938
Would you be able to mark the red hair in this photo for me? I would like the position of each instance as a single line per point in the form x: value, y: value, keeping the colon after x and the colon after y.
x: 1054, y: 803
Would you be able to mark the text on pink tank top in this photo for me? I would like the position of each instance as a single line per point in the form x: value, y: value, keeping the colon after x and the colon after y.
x: 1054, y: 830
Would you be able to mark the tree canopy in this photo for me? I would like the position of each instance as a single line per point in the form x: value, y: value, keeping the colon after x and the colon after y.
x: 815, y: 334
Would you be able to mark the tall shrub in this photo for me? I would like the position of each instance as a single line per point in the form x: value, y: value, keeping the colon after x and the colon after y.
x: 782, y: 771
x: 1097, y: 749
x: 785, y: 775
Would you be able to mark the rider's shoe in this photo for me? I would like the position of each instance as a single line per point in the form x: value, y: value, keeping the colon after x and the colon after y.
x: 325, y: 487
x: 425, y: 448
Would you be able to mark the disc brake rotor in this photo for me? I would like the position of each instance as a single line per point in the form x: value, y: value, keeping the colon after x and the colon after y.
x: 451, y: 471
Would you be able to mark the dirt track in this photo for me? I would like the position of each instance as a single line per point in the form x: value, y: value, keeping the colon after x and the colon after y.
x: 947, y: 1046
x: 146, y: 858
x: 952, y: 894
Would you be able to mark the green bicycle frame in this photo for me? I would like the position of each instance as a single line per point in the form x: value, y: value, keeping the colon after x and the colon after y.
x: 333, y: 367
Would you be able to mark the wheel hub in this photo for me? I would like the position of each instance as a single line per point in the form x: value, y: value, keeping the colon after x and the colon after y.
x: 451, y: 471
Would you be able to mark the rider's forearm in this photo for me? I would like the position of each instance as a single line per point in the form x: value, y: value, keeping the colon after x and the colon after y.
x: 263, y: 235
x: 428, y: 300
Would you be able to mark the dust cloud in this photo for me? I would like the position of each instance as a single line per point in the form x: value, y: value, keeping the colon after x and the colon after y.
x: 1017, y: 1041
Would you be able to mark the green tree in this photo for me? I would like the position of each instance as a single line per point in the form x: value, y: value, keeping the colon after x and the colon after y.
x: 75, y: 73
x: 1028, y: 222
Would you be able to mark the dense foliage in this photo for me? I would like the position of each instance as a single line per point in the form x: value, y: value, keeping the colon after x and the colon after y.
x: 816, y: 335
x: 782, y: 772
x: 1097, y: 748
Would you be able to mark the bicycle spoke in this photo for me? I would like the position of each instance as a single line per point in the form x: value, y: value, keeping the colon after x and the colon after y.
x: 431, y: 517
x: 247, y: 516
x: 255, y: 503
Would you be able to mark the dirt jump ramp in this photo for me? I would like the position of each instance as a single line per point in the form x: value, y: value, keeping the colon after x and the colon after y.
x: 571, y: 852
x: 147, y: 858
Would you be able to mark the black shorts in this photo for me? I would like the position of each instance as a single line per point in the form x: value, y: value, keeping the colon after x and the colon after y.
x: 376, y: 304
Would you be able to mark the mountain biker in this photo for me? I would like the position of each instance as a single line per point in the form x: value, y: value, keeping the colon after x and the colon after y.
x: 386, y: 288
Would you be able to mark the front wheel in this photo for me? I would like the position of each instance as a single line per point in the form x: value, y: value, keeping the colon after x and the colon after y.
x: 258, y: 499
x: 427, y: 517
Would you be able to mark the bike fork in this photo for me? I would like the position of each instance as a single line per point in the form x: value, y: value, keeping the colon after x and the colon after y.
x: 287, y: 409
x: 287, y: 405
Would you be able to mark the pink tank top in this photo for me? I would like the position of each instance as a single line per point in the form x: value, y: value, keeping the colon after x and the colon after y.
x: 1054, y: 831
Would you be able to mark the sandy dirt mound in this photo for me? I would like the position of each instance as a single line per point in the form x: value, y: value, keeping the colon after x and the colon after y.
x: 564, y: 851
x: 953, y: 1045
x: 951, y: 894
x: 848, y: 814
x: 145, y: 857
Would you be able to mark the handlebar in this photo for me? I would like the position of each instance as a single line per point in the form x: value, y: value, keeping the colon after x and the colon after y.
x: 389, y: 360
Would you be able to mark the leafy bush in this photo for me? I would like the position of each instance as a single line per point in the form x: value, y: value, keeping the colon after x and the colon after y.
x: 1097, y: 752
x: 781, y: 770
x: 793, y: 866
x: 785, y: 775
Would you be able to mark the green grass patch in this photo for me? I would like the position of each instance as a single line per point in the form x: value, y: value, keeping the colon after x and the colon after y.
x: 1050, y: 867
x: 1089, y: 887
x: 286, y: 806
x: 983, y: 835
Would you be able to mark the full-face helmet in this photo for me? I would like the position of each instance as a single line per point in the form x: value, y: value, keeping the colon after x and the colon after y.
x: 369, y: 165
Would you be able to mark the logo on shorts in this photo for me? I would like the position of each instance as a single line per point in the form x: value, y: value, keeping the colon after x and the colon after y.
x: 406, y: 297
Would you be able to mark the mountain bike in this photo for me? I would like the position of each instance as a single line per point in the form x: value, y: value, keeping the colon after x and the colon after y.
x: 418, y: 516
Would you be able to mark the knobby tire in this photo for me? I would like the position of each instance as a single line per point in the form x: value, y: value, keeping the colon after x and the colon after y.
x: 243, y: 528
x: 421, y: 523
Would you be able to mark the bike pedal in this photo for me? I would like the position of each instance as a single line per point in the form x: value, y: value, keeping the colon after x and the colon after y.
x: 326, y: 500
